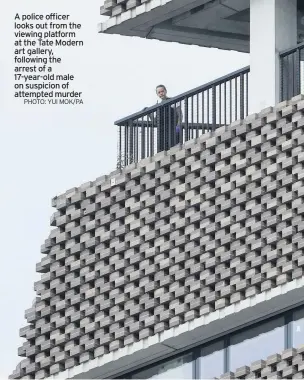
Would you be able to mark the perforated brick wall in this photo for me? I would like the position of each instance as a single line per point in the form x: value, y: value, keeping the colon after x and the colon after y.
x: 170, y: 239
x: 116, y: 7
x: 287, y: 365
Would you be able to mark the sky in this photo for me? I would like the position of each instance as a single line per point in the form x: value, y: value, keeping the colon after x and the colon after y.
x: 48, y: 149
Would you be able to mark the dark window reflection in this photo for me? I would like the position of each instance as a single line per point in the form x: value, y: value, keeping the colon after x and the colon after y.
x: 256, y: 343
x: 178, y: 368
x: 298, y: 329
x: 212, y: 361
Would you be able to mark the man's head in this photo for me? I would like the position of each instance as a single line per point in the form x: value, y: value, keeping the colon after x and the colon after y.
x: 161, y: 91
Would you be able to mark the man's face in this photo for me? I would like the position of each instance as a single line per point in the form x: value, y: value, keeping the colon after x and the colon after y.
x: 161, y: 92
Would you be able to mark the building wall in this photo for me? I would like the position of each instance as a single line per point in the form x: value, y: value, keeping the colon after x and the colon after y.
x: 169, y: 240
x: 287, y: 364
x: 252, y: 347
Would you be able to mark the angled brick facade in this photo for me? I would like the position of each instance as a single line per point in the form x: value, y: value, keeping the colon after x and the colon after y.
x: 175, y: 237
x: 288, y: 364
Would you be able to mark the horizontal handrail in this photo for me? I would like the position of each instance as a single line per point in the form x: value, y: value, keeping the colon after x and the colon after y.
x: 182, y: 96
x: 286, y: 52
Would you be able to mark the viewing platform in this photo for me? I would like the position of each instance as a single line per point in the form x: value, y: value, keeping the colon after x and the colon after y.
x: 203, y: 109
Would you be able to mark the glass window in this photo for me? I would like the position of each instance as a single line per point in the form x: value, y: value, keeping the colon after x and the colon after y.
x: 212, y: 361
x: 256, y: 343
x: 298, y: 328
x: 178, y: 368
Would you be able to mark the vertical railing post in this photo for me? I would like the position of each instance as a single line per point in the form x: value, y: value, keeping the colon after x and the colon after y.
x: 152, y: 151
x: 131, y: 140
x: 136, y: 143
x: 180, y: 118
x: 297, y: 73
x: 143, y: 139
x: 286, y: 76
x: 242, y: 97
x: 281, y: 79
x: 158, y: 131
x: 208, y: 108
x: 119, y: 155
x: 169, y: 126
x: 213, y: 108
x: 247, y: 92
x: 197, y: 115
x: 203, y: 112
x: 230, y: 102
x: 236, y: 98
x: 126, y: 158
x: 186, y: 119
x: 220, y: 105
x: 192, y: 118
x: 225, y: 102
x: 148, y: 145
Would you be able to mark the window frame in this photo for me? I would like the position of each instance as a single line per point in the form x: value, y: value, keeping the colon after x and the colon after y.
x: 288, y: 316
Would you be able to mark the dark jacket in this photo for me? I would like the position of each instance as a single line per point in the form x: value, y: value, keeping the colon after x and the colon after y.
x: 167, y: 120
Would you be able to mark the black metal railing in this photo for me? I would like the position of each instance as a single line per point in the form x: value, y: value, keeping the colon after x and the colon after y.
x: 291, y: 72
x: 183, y: 117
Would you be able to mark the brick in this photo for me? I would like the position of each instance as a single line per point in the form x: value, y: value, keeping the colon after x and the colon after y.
x: 178, y: 236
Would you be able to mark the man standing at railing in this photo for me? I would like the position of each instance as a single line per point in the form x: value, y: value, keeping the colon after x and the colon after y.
x: 169, y: 118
